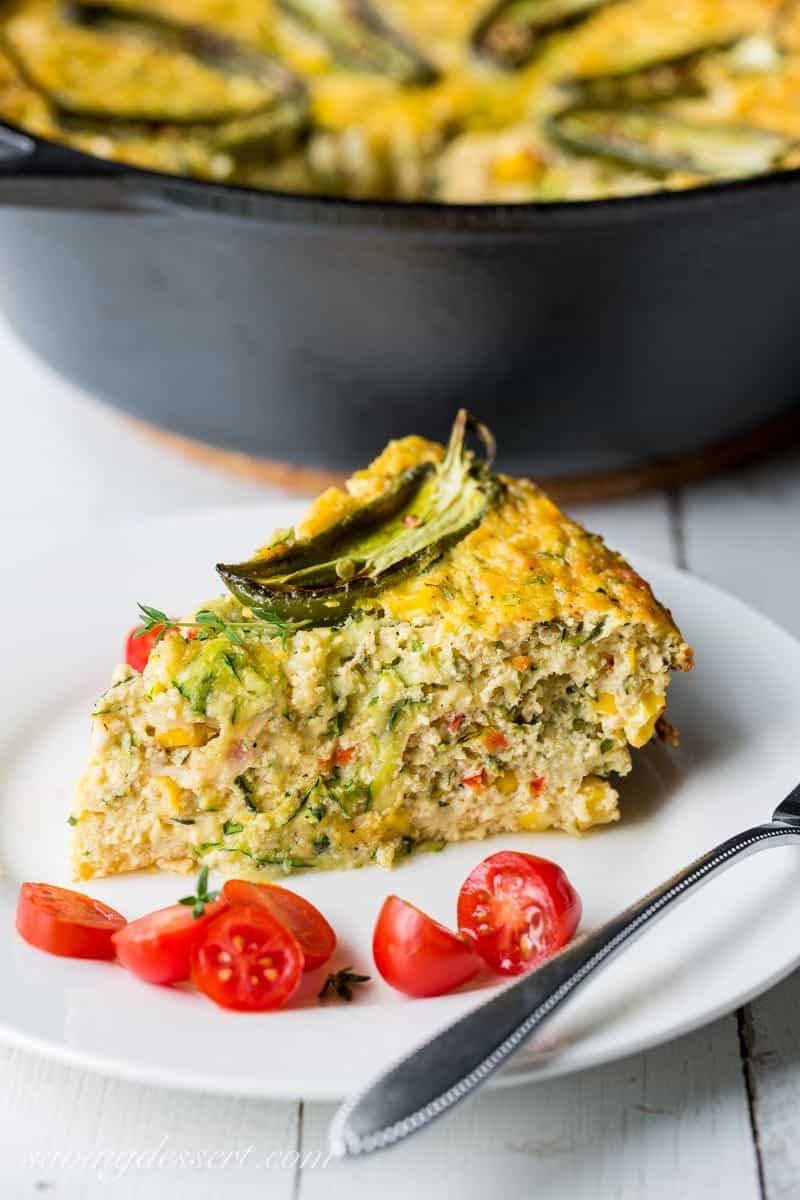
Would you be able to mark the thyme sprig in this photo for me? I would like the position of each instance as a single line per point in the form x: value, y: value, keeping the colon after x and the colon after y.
x: 202, y: 895
x: 341, y: 983
x: 209, y: 624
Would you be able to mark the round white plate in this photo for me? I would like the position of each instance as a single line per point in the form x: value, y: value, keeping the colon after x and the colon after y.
x: 739, y: 713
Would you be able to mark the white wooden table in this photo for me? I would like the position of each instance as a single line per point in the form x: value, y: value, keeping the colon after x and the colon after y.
x: 714, y: 1114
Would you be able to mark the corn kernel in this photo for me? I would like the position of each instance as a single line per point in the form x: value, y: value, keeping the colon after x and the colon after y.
x: 595, y: 803
x: 191, y: 735
x: 507, y: 783
x: 606, y: 704
x: 652, y: 705
x: 166, y: 791
x: 535, y: 819
x: 630, y: 654
x: 519, y: 166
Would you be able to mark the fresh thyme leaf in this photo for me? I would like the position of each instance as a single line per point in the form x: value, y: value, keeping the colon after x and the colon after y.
x: 341, y: 983
x: 232, y: 827
x: 202, y: 895
x: 72, y: 820
x: 212, y: 625
x: 151, y: 617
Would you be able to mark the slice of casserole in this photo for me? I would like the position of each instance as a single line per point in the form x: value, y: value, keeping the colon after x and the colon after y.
x: 435, y: 654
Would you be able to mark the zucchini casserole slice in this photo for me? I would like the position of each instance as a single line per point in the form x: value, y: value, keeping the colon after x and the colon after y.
x: 436, y: 653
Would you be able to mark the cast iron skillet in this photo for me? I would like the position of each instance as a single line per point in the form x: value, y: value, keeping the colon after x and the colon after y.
x: 311, y: 330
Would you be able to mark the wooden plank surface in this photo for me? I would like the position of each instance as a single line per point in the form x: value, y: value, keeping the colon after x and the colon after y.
x: 78, y: 1136
x: 743, y: 533
x: 665, y: 1125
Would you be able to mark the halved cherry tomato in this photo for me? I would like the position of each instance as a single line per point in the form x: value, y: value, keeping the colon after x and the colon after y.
x: 64, y: 922
x: 247, y: 961
x: 518, y: 910
x: 158, y: 947
x: 295, y: 913
x: 138, y: 649
x: 417, y: 955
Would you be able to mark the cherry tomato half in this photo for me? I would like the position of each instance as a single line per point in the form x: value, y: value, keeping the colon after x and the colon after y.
x: 247, y: 961
x: 518, y: 910
x: 295, y: 913
x: 138, y: 649
x: 159, y: 947
x: 417, y: 955
x: 67, y: 923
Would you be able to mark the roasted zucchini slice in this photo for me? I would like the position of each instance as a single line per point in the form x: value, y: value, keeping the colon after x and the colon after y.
x: 129, y: 68
x: 400, y: 533
x: 652, y: 140
x: 511, y: 31
x: 359, y: 38
x: 268, y: 118
x: 210, y: 46
x: 675, y: 76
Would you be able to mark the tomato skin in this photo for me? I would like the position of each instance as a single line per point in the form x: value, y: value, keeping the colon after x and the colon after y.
x: 292, y: 911
x: 518, y: 910
x: 138, y: 649
x: 246, y: 961
x: 158, y: 947
x: 66, y: 923
x: 417, y: 955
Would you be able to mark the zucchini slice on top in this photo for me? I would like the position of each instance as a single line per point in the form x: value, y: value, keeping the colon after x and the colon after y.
x: 401, y: 532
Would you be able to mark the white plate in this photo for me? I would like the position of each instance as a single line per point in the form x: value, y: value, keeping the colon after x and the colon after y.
x: 63, y: 622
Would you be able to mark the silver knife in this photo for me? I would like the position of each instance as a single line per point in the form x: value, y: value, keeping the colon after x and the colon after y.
x: 455, y: 1063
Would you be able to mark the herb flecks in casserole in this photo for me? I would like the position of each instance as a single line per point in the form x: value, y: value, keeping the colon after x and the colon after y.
x: 489, y: 676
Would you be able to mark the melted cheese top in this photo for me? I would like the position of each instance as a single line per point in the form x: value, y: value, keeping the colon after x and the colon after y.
x: 526, y: 561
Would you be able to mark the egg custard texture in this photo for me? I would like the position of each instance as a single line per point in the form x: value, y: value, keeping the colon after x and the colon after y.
x: 436, y: 653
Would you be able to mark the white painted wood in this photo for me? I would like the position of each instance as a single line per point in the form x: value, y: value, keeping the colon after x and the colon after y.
x: 744, y: 533
x: 772, y: 1040
x: 662, y: 1125
x: 670, y: 1123
x: 81, y: 1136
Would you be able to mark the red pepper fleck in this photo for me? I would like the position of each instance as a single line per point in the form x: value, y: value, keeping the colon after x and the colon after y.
x: 477, y: 781
x: 455, y: 723
x: 537, y: 785
x: 494, y: 740
x: 343, y: 754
